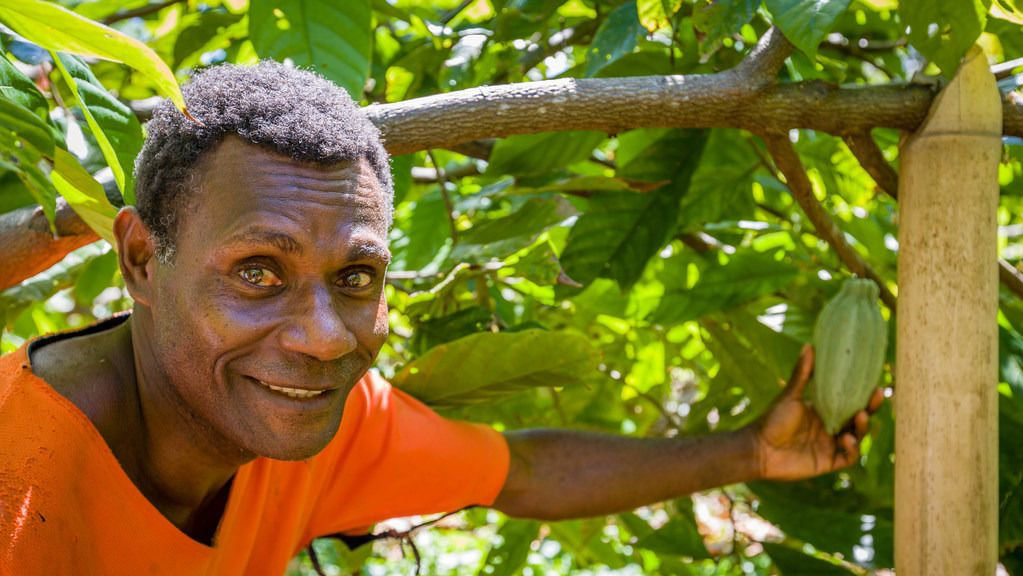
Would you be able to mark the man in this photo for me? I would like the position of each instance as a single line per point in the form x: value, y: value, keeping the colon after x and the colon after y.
x: 200, y: 434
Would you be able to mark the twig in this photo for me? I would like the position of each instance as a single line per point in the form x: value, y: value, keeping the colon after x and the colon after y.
x: 449, y: 207
x: 791, y: 167
x: 873, y: 161
x: 672, y: 419
x: 580, y: 34
x: 1011, y: 277
x: 1004, y: 70
x: 140, y: 12
x: 450, y: 15
x: 424, y: 175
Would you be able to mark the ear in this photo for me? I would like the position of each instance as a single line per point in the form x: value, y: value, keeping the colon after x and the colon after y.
x: 136, y: 253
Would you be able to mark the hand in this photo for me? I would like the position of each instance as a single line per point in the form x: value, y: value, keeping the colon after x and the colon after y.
x: 790, y: 439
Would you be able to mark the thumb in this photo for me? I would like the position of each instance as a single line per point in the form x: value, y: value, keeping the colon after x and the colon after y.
x: 801, y: 373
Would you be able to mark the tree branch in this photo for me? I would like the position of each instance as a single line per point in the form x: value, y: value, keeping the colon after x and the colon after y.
x: 873, y: 161
x: 791, y: 167
x: 29, y: 245
x: 139, y: 12
x: 615, y: 105
x: 579, y: 34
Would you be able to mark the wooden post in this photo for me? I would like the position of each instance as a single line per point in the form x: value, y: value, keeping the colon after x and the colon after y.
x: 946, y: 403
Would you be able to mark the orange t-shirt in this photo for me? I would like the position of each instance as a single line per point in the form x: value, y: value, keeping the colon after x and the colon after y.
x: 67, y: 507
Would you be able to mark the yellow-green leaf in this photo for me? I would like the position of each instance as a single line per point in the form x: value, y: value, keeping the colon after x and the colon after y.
x: 56, y: 28
x: 84, y: 194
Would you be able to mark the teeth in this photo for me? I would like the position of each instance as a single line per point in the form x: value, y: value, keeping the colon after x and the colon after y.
x: 292, y: 392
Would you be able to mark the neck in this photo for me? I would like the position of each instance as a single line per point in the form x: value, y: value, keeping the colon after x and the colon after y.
x: 181, y: 466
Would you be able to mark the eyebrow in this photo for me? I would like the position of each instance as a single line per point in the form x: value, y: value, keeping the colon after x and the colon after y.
x: 283, y: 242
x: 370, y: 252
x: 287, y: 244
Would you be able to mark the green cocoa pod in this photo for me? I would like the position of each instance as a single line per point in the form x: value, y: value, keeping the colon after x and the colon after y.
x: 850, y: 339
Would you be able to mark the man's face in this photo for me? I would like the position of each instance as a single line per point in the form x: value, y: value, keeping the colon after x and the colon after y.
x: 274, y: 306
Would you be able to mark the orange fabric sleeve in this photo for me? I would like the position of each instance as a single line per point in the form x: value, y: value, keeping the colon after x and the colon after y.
x: 400, y: 458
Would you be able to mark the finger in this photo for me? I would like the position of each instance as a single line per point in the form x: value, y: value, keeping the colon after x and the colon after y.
x: 875, y: 400
x: 801, y: 373
x: 861, y: 422
x: 850, y: 451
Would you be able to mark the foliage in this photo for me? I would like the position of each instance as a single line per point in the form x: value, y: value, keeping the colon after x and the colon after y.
x: 654, y: 282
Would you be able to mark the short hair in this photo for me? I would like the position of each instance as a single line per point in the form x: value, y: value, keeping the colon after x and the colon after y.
x: 293, y: 112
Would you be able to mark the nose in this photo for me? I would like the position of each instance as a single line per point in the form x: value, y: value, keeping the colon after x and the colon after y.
x: 317, y: 328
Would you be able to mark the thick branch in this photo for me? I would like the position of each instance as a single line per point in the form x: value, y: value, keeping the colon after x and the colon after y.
x: 615, y: 105
x: 791, y: 167
x: 29, y: 245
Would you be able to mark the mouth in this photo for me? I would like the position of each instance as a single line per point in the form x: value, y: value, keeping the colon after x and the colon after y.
x: 290, y: 392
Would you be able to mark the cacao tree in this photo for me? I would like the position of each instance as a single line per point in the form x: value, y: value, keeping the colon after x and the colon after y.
x: 618, y: 216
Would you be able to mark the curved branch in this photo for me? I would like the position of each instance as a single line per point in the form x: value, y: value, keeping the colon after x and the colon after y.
x: 799, y: 183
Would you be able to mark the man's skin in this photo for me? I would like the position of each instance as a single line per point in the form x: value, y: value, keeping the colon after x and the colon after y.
x: 278, y: 280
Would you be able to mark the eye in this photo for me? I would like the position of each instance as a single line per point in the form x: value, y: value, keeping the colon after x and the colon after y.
x: 356, y: 279
x: 260, y: 276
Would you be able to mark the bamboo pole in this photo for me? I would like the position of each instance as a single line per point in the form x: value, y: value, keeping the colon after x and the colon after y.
x: 946, y: 457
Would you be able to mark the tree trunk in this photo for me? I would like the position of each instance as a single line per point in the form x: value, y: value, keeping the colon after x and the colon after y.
x: 946, y: 408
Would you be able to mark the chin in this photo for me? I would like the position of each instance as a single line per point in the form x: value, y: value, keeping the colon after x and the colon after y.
x: 296, y: 451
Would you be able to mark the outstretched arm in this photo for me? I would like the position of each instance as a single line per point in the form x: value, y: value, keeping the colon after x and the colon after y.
x: 564, y: 474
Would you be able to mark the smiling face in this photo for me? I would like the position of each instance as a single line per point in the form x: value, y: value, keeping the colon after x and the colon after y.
x: 274, y: 305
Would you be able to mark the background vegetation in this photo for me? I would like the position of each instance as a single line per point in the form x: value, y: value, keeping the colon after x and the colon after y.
x: 654, y: 281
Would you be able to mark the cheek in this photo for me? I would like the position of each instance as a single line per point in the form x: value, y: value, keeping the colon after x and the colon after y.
x: 379, y: 323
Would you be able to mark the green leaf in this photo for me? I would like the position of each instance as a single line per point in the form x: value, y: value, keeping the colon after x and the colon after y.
x: 791, y: 562
x: 747, y: 275
x: 678, y: 537
x: 800, y: 512
x: 23, y: 125
x: 401, y: 167
x: 721, y: 188
x: 212, y: 29
x: 58, y: 29
x: 84, y: 194
x: 616, y: 37
x: 1010, y: 472
x: 444, y: 329
x: 505, y: 236
x: 508, y: 558
x: 489, y: 365
x: 806, y: 22
x: 620, y: 231
x: 1007, y: 10
x: 422, y: 238
x: 27, y: 144
x: 722, y: 18
x: 95, y: 278
x: 539, y: 153
x: 656, y: 14
x: 20, y: 89
x: 944, y: 31
x: 1010, y: 359
x: 331, y: 38
x: 114, y: 125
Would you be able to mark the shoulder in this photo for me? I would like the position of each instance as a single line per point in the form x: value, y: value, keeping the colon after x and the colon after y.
x: 13, y: 367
